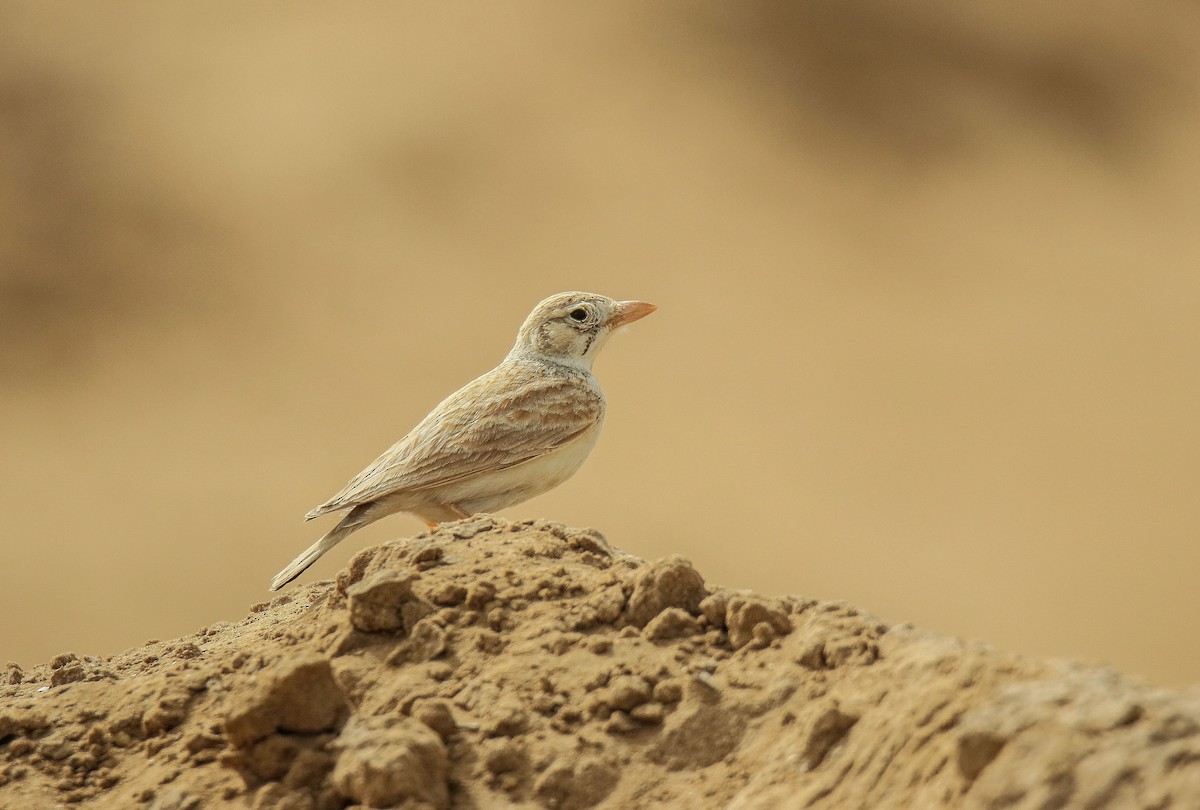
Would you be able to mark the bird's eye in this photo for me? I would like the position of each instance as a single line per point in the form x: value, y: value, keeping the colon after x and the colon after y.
x: 579, y: 314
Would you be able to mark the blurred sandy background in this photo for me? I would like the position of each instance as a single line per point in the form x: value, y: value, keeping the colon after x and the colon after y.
x: 928, y: 279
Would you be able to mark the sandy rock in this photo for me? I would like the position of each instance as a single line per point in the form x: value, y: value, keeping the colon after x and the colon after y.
x: 574, y: 785
x: 601, y: 608
x: 626, y: 692
x: 436, y: 714
x: 666, y: 583
x: 425, y: 642
x: 385, y: 601
x: 671, y: 624
x: 175, y: 799
x: 294, y: 759
x: 713, y: 607
x: 480, y: 595
x: 751, y: 619
x: 828, y: 729
x: 448, y: 594
x: 507, y: 719
x: 504, y: 756
x: 699, y: 733
x: 650, y: 714
x: 589, y: 541
x: 668, y: 691
x: 298, y: 695
x: 385, y: 761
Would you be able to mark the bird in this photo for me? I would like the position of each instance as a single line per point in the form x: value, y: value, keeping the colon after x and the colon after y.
x: 514, y: 432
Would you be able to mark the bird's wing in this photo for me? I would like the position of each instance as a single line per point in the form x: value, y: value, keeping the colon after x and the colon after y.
x: 508, y: 416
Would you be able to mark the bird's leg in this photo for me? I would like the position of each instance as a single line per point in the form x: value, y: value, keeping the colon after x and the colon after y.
x: 457, y: 510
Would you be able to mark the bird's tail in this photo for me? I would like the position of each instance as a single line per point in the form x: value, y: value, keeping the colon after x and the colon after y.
x: 358, y: 517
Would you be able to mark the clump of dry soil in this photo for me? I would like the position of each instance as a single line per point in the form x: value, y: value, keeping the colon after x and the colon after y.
x: 496, y: 664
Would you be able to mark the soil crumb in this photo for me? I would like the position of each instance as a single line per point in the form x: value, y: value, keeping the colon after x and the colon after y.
x: 497, y: 664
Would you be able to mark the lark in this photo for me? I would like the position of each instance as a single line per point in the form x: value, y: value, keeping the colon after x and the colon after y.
x: 517, y: 431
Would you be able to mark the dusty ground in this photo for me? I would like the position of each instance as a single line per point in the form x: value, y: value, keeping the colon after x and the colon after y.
x: 496, y: 664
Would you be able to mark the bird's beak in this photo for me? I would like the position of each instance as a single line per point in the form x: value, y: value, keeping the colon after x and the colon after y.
x: 630, y: 311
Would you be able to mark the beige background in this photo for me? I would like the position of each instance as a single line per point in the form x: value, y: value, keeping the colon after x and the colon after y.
x: 928, y: 280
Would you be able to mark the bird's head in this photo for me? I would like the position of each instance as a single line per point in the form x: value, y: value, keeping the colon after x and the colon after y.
x: 569, y: 328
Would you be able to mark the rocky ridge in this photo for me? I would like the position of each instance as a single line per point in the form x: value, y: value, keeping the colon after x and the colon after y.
x: 497, y: 664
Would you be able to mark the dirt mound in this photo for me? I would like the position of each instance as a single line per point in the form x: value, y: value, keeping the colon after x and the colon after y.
x: 497, y: 664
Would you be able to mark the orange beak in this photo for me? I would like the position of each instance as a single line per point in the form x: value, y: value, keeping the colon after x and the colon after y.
x: 630, y: 311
